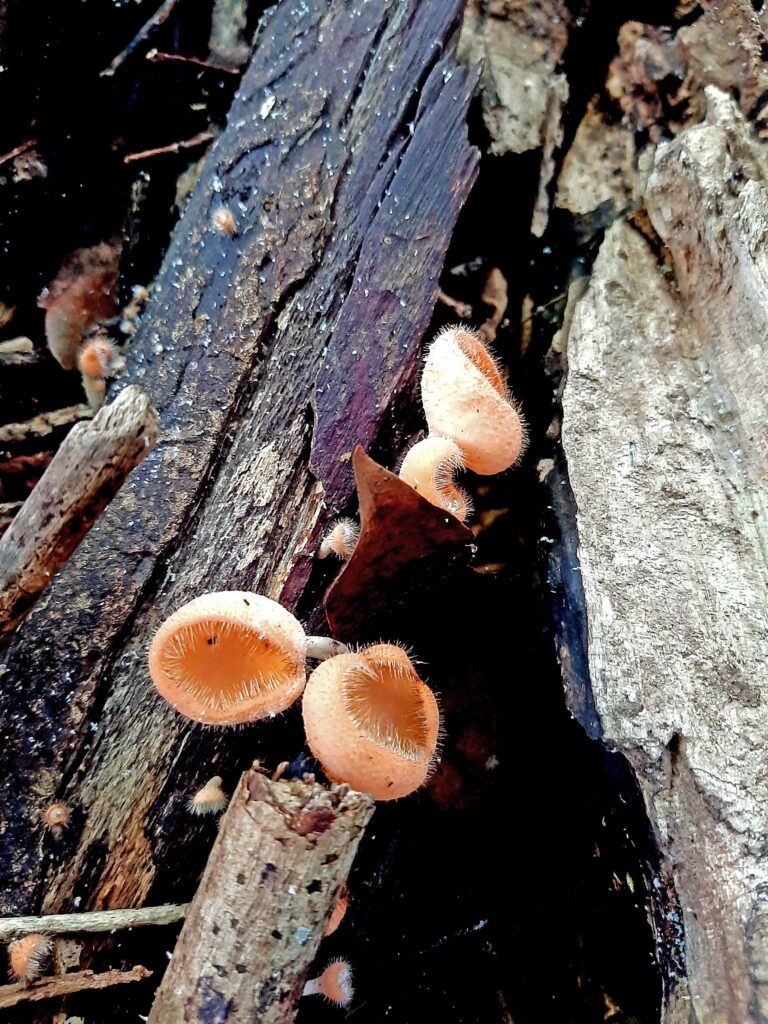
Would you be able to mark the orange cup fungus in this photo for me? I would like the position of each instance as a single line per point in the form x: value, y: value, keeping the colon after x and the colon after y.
x: 372, y: 722
x: 465, y: 399
x: 28, y: 956
x: 340, y: 540
x: 428, y: 468
x: 229, y: 657
x: 335, y: 983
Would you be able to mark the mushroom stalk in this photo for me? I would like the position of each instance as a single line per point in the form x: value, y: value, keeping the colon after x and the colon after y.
x: 323, y: 647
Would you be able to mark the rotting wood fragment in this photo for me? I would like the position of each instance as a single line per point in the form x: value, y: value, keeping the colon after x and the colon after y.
x: 86, y: 472
x: 280, y: 861
x: 67, y: 984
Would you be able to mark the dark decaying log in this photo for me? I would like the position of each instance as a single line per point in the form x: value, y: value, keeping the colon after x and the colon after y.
x: 85, y: 474
x: 345, y: 189
x: 665, y: 434
x: 257, y: 919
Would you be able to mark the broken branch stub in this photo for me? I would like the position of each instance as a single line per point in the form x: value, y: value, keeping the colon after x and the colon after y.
x: 86, y: 472
x: 279, y: 864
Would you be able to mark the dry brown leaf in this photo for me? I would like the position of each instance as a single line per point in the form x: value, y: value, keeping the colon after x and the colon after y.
x: 405, y: 544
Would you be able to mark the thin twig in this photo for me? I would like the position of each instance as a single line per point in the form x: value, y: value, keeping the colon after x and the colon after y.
x: 160, y: 15
x: 18, y: 150
x: 173, y: 147
x: 65, y: 984
x: 92, y: 921
x: 157, y: 57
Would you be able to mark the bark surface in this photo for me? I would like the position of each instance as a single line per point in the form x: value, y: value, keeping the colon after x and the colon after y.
x: 345, y: 189
x: 664, y: 431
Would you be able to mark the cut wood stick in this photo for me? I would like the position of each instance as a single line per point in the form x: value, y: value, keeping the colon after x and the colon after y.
x: 92, y: 921
x: 86, y: 472
x: 66, y: 984
x: 282, y: 856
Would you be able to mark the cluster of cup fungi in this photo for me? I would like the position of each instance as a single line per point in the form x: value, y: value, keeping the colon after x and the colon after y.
x: 234, y: 657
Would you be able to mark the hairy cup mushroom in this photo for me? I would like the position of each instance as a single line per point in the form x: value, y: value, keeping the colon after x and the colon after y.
x: 429, y: 467
x: 210, y: 799
x: 232, y: 657
x: 371, y: 722
x: 465, y: 399
x: 335, y: 983
x: 28, y: 956
x: 340, y: 540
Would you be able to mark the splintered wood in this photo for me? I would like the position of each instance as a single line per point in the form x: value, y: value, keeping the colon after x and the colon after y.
x: 664, y: 429
x: 279, y: 864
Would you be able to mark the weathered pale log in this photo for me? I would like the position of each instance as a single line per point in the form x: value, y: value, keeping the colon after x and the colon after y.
x: 665, y: 434
x: 89, y: 468
x: 345, y: 188
x: 278, y: 866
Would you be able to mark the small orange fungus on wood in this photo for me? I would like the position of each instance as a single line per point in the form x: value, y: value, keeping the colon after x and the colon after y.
x: 429, y: 467
x: 223, y: 220
x: 335, y: 983
x: 340, y: 540
x: 465, y: 399
x: 372, y: 722
x: 56, y: 816
x: 229, y: 657
x: 28, y: 956
x: 337, y: 914
x: 210, y: 799
x: 82, y: 294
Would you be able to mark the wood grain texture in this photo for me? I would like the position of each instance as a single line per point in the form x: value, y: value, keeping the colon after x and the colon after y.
x: 281, y: 860
x: 88, y: 469
x: 318, y: 169
x: 665, y: 448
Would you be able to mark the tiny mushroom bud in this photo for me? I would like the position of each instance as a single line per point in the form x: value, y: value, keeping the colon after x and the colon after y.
x: 28, y: 955
x: 56, y: 816
x: 96, y: 357
x: 95, y: 360
x: 337, y: 914
x: 210, y: 799
x: 466, y: 400
x: 429, y: 466
x: 340, y: 540
x: 335, y: 983
x: 223, y: 220
x: 371, y: 722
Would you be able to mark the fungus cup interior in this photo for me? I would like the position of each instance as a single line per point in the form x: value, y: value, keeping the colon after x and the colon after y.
x: 383, y: 698
x: 479, y: 356
x: 228, y: 658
